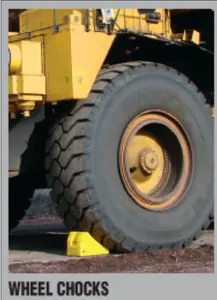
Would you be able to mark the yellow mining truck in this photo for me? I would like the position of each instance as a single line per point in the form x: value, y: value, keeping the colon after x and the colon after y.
x: 112, y: 110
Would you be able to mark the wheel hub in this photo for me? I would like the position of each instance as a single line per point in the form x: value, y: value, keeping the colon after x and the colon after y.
x: 155, y: 161
x: 148, y: 160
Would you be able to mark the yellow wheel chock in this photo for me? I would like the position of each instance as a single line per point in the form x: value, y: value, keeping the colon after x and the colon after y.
x: 83, y: 244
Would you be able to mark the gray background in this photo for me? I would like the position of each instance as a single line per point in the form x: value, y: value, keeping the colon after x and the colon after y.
x: 122, y: 286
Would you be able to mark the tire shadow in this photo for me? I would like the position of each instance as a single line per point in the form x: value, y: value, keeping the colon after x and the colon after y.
x: 33, y: 236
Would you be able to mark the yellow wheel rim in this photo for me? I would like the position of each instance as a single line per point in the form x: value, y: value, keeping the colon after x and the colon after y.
x: 155, y: 160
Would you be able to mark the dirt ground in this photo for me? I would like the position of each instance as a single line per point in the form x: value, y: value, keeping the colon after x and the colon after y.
x: 39, y: 245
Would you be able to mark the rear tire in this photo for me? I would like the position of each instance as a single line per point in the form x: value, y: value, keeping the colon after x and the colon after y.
x: 82, y: 160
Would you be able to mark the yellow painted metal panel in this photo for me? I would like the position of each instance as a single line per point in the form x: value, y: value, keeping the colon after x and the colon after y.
x: 72, y: 63
x: 31, y: 85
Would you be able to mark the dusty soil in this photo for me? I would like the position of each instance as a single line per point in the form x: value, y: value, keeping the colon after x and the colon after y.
x: 199, y: 260
x: 38, y: 245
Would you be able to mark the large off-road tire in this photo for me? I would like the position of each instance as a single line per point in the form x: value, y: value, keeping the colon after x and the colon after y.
x: 20, y: 192
x: 87, y: 166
